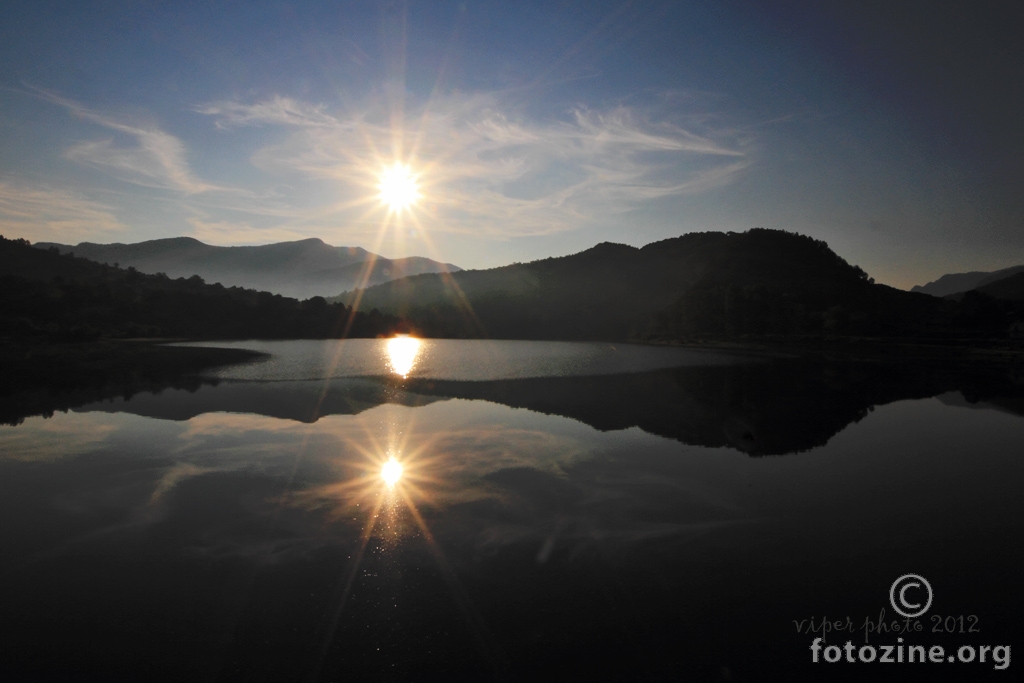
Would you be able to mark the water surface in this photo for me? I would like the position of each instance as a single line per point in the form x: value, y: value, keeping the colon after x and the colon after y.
x: 569, y: 526
x: 458, y: 359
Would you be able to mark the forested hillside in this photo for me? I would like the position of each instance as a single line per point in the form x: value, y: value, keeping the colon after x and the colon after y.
x: 300, y: 269
x: 697, y: 286
x: 61, y: 297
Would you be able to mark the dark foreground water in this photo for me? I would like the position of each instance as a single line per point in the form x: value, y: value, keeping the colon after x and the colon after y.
x: 563, y: 512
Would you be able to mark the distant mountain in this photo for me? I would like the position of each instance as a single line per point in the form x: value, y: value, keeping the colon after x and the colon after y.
x: 54, y: 297
x: 699, y: 285
x: 301, y: 269
x: 955, y: 283
x: 1008, y: 288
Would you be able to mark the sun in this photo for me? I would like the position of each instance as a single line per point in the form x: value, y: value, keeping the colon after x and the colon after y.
x: 398, y: 188
x: 391, y: 472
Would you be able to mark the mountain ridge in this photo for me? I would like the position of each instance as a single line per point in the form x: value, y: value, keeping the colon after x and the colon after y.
x: 1008, y: 288
x: 697, y: 285
x: 957, y: 283
x: 50, y: 297
x: 300, y: 269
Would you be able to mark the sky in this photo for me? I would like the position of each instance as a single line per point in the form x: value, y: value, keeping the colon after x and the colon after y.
x: 532, y: 129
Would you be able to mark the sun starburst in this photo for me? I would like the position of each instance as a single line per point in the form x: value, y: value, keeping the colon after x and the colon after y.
x: 398, y: 187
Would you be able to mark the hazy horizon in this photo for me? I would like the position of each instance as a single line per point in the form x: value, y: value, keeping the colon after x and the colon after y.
x: 346, y: 246
x: 523, y: 132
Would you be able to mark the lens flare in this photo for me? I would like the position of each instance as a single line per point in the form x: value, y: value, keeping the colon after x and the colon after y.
x: 391, y: 472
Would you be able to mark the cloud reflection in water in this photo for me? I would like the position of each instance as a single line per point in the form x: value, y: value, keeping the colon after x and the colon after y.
x: 488, y: 473
x: 500, y: 512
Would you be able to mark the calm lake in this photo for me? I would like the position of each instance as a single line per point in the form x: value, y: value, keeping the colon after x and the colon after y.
x: 476, y: 510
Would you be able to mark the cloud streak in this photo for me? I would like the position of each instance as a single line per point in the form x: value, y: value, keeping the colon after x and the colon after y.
x: 278, y: 110
x: 487, y: 169
x: 156, y: 159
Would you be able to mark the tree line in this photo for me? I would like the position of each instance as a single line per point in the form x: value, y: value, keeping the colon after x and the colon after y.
x: 60, y: 297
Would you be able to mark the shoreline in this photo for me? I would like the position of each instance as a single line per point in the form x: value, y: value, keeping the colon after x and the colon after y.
x: 865, y: 349
x: 42, y: 378
x: 39, y: 379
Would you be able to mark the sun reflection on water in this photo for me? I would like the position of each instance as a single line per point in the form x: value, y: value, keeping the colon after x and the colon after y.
x: 391, y: 472
x: 402, y: 353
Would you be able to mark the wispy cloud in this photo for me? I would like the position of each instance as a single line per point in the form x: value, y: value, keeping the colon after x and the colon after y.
x: 619, y: 127
x: 43, y: 213
x: 487, y: 169
x: 278, y: 110
x: 153, y: 159
x: 67, y: 435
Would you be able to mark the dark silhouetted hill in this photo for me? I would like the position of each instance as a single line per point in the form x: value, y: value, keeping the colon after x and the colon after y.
x: 301, y: 269
x: 955, y: 283
x: 700, y: 285
x: 59, y: 297
x: 1009, y: 288
x: 39, y: 379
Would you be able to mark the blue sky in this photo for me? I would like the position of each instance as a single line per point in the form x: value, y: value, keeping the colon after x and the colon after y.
x: 535, y: 129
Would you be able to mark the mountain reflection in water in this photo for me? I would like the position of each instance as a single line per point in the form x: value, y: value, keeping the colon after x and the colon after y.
x: 572, y: 527
x: 761, y: 408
